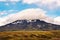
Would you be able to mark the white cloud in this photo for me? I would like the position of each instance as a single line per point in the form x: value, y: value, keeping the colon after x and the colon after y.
x: 28, y: 14
x: 30, y: 1
x: 2, y: 21
x: 57, y: 20
x: 7, y: 12
x: 2, y: 0
x: 3, y: 12
x: 10, y: 0
x: 50, y: 4
x: 14, y: 0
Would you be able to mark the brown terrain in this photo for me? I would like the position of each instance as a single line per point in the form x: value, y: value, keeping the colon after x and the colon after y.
x: 30, y: 35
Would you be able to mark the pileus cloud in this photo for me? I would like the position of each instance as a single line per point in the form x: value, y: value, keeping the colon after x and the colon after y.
x: 57, y: 20
x: 28, y: 14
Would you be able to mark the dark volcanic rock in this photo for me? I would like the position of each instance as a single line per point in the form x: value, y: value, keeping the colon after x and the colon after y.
x: 26, y: 25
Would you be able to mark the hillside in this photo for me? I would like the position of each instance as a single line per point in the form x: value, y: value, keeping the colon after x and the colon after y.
x: 29, y: 25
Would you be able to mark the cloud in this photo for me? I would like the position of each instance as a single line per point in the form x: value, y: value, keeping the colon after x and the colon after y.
x: 2, y: 21
x: 14, y: 0
x: 10, y: 0
x: 3, y: 12
x: 50, y: 4
x: 2, y: 0
x: 30, y: 1
x: 57, y: 20
x: 7, y: 12
x: 27, y: 14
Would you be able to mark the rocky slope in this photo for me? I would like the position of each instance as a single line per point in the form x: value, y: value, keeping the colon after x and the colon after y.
x: 29, y: 25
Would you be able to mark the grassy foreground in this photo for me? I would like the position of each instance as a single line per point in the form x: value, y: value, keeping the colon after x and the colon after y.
x: 30, y: 35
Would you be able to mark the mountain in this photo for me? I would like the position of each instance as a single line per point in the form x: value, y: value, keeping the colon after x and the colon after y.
x: 29, y: 25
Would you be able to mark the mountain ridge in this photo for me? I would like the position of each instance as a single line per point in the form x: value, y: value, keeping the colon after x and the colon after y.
x: 29, y: 25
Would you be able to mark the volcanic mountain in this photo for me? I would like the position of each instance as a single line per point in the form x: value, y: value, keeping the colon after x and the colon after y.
x: 29, y: 25
x: 30, y: 19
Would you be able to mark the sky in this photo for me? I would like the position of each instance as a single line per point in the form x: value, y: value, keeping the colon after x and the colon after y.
x: 51, y: 7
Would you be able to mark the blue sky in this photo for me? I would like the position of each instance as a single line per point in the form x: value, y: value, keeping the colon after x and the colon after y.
x: 6, y: 6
